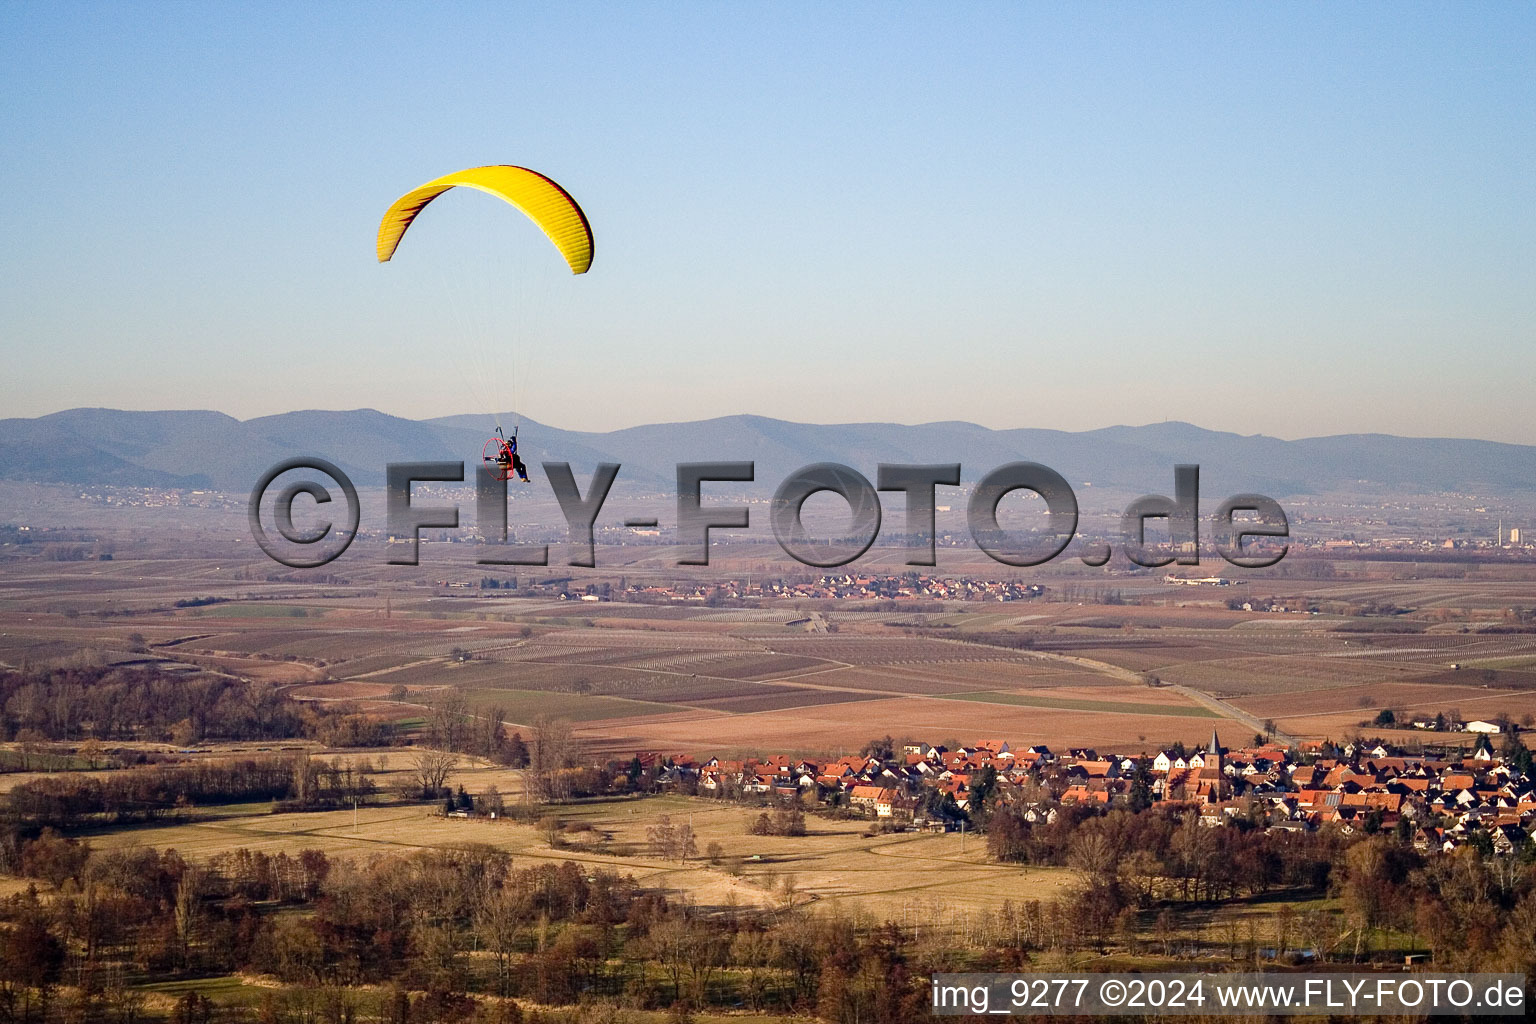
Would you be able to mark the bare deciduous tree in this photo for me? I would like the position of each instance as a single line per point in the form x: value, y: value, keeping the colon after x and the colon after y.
x: 430, y: 769
x: 670, y: 841
x: 551, y: 758
x: 450, y: 723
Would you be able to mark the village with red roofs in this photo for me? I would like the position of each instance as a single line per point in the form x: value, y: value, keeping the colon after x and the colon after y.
x: 1439, y: 802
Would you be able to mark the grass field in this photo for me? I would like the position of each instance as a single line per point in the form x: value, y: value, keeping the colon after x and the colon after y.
x: 837, y: 864
x: 1521, y: 663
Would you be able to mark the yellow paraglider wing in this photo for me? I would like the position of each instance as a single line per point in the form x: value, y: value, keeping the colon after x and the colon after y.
x: 546, y: 204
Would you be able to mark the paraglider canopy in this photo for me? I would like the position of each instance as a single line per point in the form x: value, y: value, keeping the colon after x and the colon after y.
x: 544, y: 202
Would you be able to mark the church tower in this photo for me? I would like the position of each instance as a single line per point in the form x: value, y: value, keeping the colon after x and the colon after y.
x: 1213, y: 761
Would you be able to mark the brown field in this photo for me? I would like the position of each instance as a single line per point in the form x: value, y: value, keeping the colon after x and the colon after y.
x: 1053, y: 672
x: 524, y: 707
x: 844, y: 727
x: 1095, y: 705
x: 932, y: 877
x: 683, y: 676
x: 1484, y: 678
x: 340, y: 691
x: 610, y: 638
x: 1203, y: 617
x: 1244, y: 676
x: 1357, y: 699
x: 280, y: 673
x: 1128, y: 658
x: 890, y: 680
x: 885, y: 650
x: 703, y: 692
x: 1158, y: 650
x: 1121, y: 694
x: 373, y: 663
x: 445, y: 673
x: 780, y: 699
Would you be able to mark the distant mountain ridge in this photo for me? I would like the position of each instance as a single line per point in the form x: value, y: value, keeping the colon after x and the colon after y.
x: 195, y: 449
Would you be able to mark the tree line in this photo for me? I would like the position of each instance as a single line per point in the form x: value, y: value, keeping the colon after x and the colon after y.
x: 72, y: 801
x: 63, y: 703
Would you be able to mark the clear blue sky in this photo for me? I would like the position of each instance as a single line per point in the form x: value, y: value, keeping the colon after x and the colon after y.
x: 1287, y: 219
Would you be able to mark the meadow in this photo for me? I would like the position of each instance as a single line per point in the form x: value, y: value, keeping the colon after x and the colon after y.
x: 926, y: 877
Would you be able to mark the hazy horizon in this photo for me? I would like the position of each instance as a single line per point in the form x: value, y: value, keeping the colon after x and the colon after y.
x: 507, y: 415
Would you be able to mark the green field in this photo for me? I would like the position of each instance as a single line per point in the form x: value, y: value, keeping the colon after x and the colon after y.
x: 1519, y: 663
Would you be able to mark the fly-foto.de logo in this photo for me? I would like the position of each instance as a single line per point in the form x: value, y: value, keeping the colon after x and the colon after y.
x: 1236, y: 522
